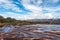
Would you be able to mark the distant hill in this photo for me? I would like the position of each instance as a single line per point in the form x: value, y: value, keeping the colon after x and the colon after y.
x: 54, y: 21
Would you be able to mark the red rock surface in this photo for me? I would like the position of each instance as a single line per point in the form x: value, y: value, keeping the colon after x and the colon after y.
x: 30, y: 33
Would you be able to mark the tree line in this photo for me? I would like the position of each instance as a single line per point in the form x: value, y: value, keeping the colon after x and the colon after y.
x: 12, y: 21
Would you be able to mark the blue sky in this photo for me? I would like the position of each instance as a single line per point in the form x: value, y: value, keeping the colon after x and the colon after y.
x: 30, y: 9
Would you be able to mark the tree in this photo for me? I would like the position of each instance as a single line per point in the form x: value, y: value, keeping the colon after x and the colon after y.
x: 10, y: 20
x: 2, y: 19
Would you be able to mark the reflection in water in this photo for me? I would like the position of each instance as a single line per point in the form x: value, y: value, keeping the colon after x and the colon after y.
x: 7, y: 29
x: 46, y: 27
x: 35, y: 28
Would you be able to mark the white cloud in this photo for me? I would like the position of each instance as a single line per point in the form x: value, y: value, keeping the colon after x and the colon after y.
x: 52, y: 9
x: 9, y: 5
x: 52, y: 1
x: 55, y: 1
x: 25, y: 17
x: 4, y: 1
x: 35, y: 2
x: 49, y: 15
x: 36, y: 13
x: 25, y: 1
x: 16, y: 9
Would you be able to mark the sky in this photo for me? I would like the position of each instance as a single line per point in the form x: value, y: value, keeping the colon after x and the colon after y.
x: 30, y: 9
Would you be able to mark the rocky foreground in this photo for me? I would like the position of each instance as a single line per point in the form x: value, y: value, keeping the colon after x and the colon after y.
x: 29, y: 33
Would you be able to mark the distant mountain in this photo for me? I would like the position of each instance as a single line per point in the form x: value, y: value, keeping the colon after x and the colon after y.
x: 42, y: 20
x: 57, y: 21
